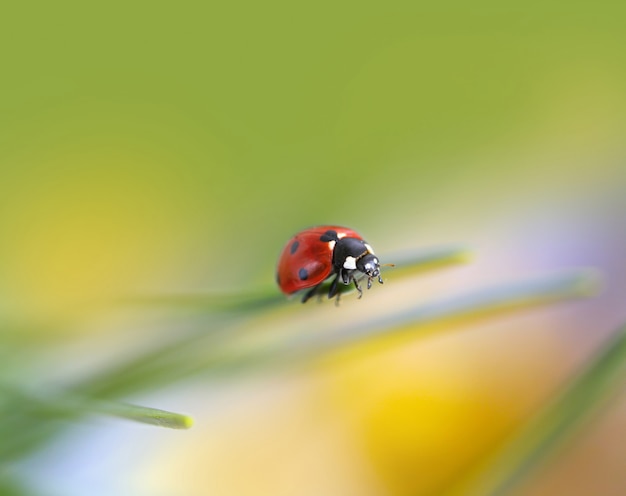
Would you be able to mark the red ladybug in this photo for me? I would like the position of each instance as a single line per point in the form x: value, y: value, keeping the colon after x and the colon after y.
x: 318, y: 253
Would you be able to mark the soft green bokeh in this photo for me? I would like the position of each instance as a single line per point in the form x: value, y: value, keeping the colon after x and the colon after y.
x: 144, y: 144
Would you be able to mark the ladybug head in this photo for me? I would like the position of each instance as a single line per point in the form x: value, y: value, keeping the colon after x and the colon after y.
x: 369, y: 265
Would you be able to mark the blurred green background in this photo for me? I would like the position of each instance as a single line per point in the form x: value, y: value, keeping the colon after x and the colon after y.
x: 173, y: 149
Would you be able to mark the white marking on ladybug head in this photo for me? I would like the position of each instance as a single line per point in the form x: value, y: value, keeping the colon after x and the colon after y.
x: 331, y: 244
x: 349, y: 263
x: 369, y: 248
x: 341, y: 235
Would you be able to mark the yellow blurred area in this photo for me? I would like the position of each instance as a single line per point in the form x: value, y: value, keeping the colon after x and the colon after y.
x: 83, y: 226
x: 97, y: 202
x: 395, y: 416
x: 424, y: 413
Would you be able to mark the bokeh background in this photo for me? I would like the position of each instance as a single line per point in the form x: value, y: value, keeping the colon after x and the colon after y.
x: 173, y: 149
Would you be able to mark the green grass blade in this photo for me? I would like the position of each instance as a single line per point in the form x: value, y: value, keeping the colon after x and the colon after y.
x: 244, y: 301
x: 33, y: 422
x: 406, y: 263
x: 29, y: 420
x: 413, y: 261
x: 12, y: 487
x: 223, y: 349
x: 536, y: 443
x: 486, y: 303
x: 26, y: 422
x: 143, y: 414
x: 489, y: 301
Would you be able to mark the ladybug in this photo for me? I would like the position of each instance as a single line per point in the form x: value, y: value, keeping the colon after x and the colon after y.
x: 314, y: 255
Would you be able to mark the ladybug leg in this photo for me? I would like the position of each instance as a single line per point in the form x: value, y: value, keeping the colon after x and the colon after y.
x: 310, y: 293
x: 334, y: 287
x: 369, y: 281
x: 358, y: 288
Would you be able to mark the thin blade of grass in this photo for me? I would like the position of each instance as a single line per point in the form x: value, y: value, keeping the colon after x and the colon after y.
x: 10, y: 486
x: 230, y: 353
x: 537, y: 442
x: 409, y: 262
x: 405, y: 263
x: 489, y: 301
x: 29, y: 420
x: 215, y: 362
x: 143, y: 414
x: 486, y: 303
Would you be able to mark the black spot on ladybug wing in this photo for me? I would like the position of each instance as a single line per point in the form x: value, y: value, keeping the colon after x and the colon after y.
x: 329, y: 236
x: 303, y: 274
x: 294, y: 247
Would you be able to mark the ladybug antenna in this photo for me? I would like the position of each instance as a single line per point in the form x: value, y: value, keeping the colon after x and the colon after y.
x: 388, y: 265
